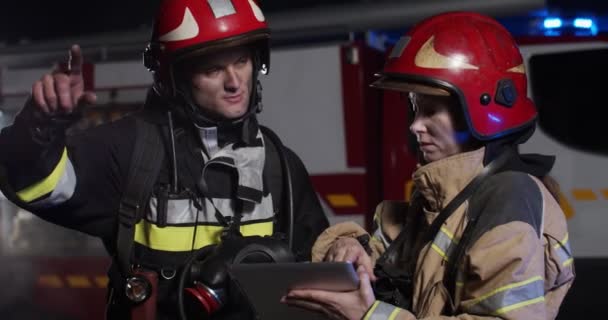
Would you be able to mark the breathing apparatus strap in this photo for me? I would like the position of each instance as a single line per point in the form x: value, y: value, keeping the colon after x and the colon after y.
x: 280, y: 182
x: 144, y: 168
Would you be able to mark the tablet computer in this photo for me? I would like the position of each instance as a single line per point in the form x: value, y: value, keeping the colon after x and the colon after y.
x: 265, y: 283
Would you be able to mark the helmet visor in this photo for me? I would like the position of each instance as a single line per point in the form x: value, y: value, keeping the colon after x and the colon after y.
x: 389, y: 83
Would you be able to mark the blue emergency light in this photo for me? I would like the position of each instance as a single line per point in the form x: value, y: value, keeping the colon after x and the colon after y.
x: 552, y: 23
x: 583, y: 23
x: 575, y: 25
x: 540, y: 23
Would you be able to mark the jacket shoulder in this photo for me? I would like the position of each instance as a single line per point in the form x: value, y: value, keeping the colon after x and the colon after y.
x: 504, y: 198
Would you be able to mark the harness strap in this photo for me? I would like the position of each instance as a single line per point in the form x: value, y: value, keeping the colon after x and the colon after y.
x: 146, y: 160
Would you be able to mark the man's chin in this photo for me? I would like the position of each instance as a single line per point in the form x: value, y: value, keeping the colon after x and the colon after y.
x: 236, y: 114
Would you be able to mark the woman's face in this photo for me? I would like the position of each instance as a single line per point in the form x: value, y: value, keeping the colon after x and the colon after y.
x: 439, y: 126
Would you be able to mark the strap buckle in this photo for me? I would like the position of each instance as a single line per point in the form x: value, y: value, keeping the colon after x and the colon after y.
x: 128, y: 212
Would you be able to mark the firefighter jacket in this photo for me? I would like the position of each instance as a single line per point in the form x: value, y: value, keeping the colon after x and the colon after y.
x: 77, y: 180
x: 518, y: 264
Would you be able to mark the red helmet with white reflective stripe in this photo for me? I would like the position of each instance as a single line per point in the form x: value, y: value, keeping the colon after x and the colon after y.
x: 472, y: 57
x: 186, y: 29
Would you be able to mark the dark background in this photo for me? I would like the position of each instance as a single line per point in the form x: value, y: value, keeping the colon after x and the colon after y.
x: 31, y: 21
x: 46, y: 19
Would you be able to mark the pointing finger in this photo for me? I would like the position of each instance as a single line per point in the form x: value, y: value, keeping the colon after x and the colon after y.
x: 75, y: 63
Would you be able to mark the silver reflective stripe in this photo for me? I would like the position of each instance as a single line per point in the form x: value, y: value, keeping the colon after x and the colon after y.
x: 256, y: 211
x: 248, y: 162
x: 64, y: 190
x: 182, y: 211
x: 378, y: 234
x: 209, y: 139
x: 399, y: 47
x: 381, y: 311
x: 444, y: 244
x: 510, y: 297
x: 221, y: 8
x: 564, y: 252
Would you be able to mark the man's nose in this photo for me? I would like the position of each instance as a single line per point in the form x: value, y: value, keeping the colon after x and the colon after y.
x: 232, y: 80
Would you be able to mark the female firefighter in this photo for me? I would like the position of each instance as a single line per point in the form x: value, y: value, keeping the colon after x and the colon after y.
x: 482, y: 237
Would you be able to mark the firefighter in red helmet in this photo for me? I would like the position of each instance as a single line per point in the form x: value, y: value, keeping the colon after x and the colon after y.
x: 482, y: 236
x: 184, y: 31
x: 181, y: 188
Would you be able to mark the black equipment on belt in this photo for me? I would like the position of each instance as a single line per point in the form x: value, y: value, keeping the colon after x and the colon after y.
x: 206, y: 272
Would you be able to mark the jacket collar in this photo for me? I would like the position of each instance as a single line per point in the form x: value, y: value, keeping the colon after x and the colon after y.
x: 440, y: 181
x: 243, y: 133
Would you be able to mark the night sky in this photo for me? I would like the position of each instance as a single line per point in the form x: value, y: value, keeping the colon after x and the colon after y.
x: 43, y: 19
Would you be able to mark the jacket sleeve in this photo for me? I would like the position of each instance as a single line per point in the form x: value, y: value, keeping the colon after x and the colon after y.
x: 559, y: 261
x: 69, y: 180
x: 309, y: 217
x: 387, y: 225
x: 503, y: 271
x: 33, y: 155
x: 505, y: 279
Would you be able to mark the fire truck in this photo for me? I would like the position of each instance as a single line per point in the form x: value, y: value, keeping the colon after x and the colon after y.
x: 353, y: 140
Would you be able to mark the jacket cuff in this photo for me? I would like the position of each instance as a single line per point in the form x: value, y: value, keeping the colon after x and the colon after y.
x: 383, y: 311
x: 333, y: 233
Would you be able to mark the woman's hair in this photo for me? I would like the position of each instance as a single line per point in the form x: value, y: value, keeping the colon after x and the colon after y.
x: 552, y: 185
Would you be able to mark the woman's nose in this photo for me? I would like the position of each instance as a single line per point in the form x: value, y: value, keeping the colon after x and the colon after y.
x: 417, y: 125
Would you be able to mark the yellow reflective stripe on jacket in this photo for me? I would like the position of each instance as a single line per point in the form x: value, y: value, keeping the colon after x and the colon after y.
x: 48, y: 184
x: 444, y: 243
x: 510, y: 297
x: 179, y: 238
x: 563, y: 251
x: 381, y: 311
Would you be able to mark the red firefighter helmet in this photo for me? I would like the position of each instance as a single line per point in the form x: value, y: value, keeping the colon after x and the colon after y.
x: 472, y: 57
x: 184, y: 29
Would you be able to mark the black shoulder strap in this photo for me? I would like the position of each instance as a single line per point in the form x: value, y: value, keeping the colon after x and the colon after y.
x: 457, y: 255
x: 467, y: 192
x: 280, y: 183
x: 274, y: 177
x: 444, y: 214
x: 404, y: 242
x: 144, y: 168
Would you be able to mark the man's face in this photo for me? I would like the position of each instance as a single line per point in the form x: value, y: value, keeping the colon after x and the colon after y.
x: 437, y: 126
x: 221, y: 82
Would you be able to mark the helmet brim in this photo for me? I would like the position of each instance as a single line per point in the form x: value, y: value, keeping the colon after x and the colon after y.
x: 251, y: 38
x: 389, y: 83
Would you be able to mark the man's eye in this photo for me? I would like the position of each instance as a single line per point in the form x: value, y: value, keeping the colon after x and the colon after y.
x: 212, y: 70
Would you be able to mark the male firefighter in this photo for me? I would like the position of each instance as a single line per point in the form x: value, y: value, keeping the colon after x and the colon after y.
x: 191, y: 169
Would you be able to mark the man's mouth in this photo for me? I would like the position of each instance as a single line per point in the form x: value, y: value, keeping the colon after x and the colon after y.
x: 234, y: 98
